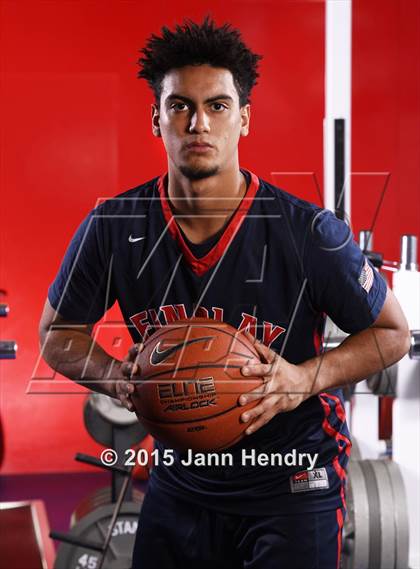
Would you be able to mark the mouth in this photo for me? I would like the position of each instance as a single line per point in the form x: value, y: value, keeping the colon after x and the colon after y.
x: 199, y: 147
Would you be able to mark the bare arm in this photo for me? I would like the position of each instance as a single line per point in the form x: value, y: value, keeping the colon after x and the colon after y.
x: 287, y: 385
x: 70, y: 350
x: 385, y: 342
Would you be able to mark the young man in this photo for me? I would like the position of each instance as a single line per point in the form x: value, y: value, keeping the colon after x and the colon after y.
x: 211, y: 239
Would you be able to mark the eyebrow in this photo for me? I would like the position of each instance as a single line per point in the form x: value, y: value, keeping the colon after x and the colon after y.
x: 209, y: 100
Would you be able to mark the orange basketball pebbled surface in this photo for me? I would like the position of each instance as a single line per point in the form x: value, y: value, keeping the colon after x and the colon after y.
x: 191, y: 381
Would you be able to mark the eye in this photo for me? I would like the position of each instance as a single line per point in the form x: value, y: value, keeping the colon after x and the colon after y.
x: 218, y: 107
x: 178, y: 107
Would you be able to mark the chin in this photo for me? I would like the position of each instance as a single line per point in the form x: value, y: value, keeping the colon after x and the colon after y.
x: 199, y: 172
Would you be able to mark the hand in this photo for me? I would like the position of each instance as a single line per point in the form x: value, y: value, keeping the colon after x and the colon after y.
x: 285, y: 387
x: 129, y: 369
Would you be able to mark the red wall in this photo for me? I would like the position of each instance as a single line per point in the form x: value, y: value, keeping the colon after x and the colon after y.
x: 75, y: 127
x: 386, y: 120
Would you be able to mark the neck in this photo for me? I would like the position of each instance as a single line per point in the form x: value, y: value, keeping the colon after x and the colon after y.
x: 202, y: 207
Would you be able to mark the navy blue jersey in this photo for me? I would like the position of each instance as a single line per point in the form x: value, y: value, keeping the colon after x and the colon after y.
x: 276, y: 269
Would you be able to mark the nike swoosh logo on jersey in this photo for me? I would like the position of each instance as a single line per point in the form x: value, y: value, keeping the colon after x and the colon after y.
x: 158, y: 357
x: 135, y: 239
x: 301, y: 475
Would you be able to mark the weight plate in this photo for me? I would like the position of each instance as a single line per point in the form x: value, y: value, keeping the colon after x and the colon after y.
x: 112, y: 409
x: 355, y: 450
x: 386, y: 515
x: 94, y: 527
x: 98, y: 498
x: 374, y: 515
x: 384, y: 382
x: 96, y: 426
x: 356, y: 527
x: 402, y: 530
x: 104, y: 432
x: 415, y: 345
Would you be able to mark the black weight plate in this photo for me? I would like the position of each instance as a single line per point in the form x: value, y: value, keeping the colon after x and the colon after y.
x: 103, y: 431
x: 99, y: 429
x: 94, y: 527
x: 99, y: 497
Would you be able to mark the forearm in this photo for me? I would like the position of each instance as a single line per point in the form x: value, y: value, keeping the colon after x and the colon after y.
x: 75, y: 355
x: 358, y: 357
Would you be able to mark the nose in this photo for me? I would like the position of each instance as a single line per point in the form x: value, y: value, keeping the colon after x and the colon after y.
x: 199, y: 122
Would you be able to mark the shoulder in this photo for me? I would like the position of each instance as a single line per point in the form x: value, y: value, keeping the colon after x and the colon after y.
x: 315, y: 224
x: 296, y: 210
x: 288, y: 203
x: 134, y: 200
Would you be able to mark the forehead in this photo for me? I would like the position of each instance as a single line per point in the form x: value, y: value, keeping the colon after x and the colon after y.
x: 199, y: 82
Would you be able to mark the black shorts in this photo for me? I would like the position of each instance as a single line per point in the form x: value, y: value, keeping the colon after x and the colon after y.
x: 176, y: 534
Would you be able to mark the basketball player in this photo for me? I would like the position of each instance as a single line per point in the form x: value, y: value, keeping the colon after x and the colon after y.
x: 212, y: 239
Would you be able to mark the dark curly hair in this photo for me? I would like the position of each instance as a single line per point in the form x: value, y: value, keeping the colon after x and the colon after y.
x: 198, y: 44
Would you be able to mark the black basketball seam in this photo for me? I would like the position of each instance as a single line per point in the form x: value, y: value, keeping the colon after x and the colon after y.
x: 198, y: 366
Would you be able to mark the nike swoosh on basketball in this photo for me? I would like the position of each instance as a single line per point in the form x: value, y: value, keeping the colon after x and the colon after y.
x: 135, y: 239
x: 158, y: 357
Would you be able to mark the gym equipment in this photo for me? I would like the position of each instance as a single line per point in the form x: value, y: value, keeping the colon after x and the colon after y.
x: 112, y: 410
x: 355, y: 450
x: 99, y: 417
x: 188, y: 395
x: 108, y: 530
x: 376, y: 530
x: 85, y: 546
x: 24, y: 539
x: 98, y: 498
x: 4, y: 309
x: 103, y: 526
x: 415, y: 345
x: 384, y: 382
x: 105, y: 429
x: 8, y: 348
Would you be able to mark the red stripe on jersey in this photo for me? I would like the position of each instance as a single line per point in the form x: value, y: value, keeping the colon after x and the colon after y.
x: 339, y: 409
x: 318, y: 336
x: 200, y: 266
x: 341, y: 473
x: 340, y: 414
x: 340, y: 522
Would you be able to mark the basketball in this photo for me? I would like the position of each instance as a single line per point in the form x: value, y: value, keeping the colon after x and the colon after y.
x: 191, y: 381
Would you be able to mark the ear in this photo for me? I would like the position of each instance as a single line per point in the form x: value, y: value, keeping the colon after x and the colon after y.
x: 245, y: 119
x: 155, y: 120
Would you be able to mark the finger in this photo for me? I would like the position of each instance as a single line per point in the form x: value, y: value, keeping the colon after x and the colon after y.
x: 140, y: 348
x: 253, y: 413
x: 258, y: 423
x: 256, y: 370
x: 133, y: 352
x: 267, y: 354
x: 125, y: 389
x: 265, y: 407
x: 129, y: 369
x: 127, y: 403
x: 255, y: 394
x: 125, y: 399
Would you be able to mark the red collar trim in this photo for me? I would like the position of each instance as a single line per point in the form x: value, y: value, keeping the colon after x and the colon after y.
x: 200, y: 266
